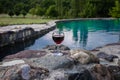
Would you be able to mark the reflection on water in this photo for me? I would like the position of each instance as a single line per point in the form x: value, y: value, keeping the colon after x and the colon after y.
x: 11, y: 49
x: 89, y: 34
x: 84, y: 34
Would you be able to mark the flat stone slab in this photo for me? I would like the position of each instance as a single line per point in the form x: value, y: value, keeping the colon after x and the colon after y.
x: 27, y: 54
x: 11, y: 63
x: 36, y: 27
x: 112, y: 51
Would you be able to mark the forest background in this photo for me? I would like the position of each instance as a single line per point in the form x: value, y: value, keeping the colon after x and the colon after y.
x: 61, y: 8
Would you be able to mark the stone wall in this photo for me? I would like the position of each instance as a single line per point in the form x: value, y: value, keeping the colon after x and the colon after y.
x: 17, y: 33
x: 15, y: 36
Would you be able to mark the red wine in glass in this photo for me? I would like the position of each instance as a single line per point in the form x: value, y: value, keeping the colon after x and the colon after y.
x: 58, y: 37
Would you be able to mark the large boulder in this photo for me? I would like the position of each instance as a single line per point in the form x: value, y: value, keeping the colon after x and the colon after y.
x: 115, y: 71
x: 52, y: 62
x: 101, y: 72
x: 84, y: 57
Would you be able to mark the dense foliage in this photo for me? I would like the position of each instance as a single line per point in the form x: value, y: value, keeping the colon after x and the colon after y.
x: 62, y: 8
x: 115, y: 11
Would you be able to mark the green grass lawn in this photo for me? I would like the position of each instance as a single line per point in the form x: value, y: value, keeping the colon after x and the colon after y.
x: 6, y: 20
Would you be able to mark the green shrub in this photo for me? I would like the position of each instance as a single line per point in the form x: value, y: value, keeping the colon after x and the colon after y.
x: 10, y: 13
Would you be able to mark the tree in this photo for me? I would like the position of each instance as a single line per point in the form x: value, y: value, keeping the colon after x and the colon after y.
x: 75, y: 8
x: 59, y: 8
x: 102, y: 7
x: 32, y: 11
x: 51, y: 11
x: 89, y: 10
x: 65, y: 8
x: 24, y: 13
x: 10, y: 13
x: 46, y: 3
x: 17, y: 9
x: 115, y: 11
x: 1, y: 8
x: 39, y: 11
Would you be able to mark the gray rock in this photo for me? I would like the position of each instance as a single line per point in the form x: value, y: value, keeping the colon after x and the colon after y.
x: 70, y: 75
x: 102, y: 55
x: 90, y: 72
x: 76, y: 73
x: 15, y: 73
x: 52, y: 62
x: 107, y: 57
x: 101, y: 72
x: 115, y: 71
x: 12, y: 63
x: 119, y: 62
x: 57, y: 75
x: 54, y: 47
x: 83, y: 75
x: 112, y: 49
x: 111, y: 57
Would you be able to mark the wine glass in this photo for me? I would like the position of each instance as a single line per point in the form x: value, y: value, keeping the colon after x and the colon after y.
x: 58, y: 37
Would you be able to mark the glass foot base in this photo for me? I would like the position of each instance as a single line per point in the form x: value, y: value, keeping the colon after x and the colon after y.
x: 58, y: 54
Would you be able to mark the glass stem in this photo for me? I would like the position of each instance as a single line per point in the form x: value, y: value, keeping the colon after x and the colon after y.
x: 58, y: 48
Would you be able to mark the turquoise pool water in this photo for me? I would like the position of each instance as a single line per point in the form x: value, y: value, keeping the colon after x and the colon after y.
x: 83, y: 34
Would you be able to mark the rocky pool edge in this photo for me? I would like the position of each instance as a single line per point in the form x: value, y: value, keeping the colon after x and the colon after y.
x: 17, y: 33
